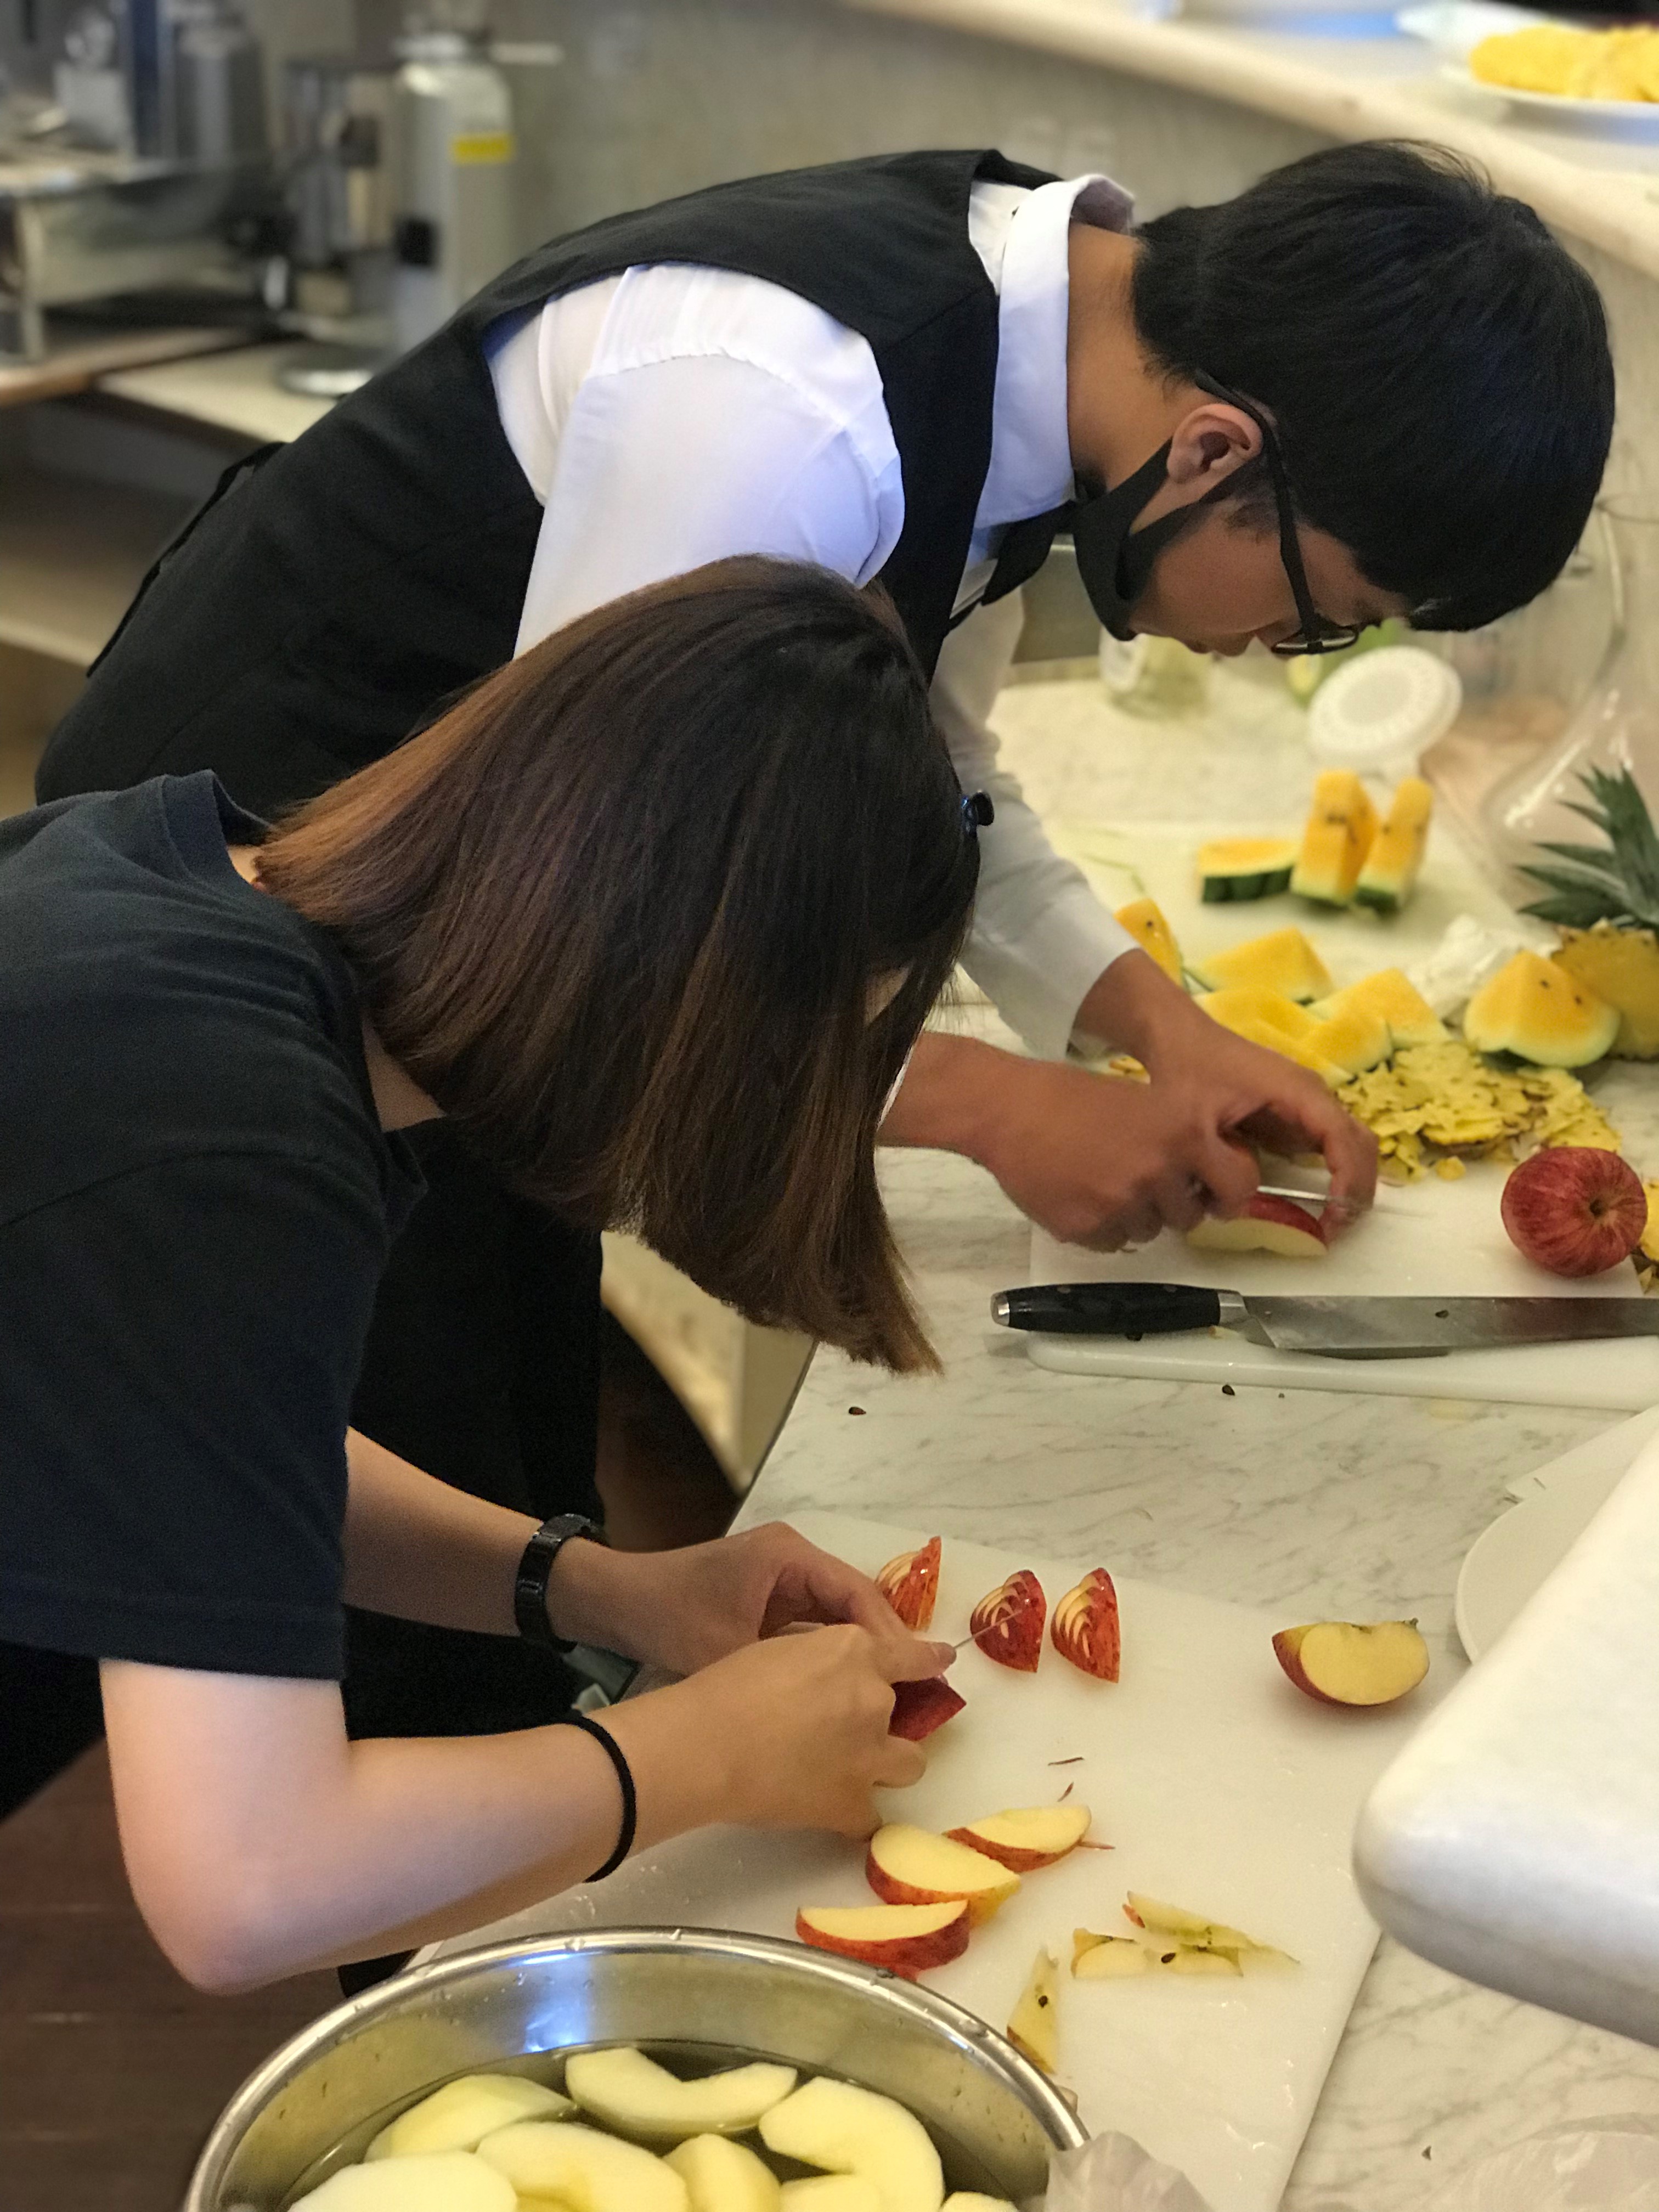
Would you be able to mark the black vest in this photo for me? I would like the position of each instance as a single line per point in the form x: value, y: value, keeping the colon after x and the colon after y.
x: 337, y: 589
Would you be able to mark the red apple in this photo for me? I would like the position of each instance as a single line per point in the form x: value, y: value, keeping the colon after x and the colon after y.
x: 913, y: 1866
x: 1084, y: 1628
x: 919, y: 1708
x: 1034, y: 1836
x: 906, y: 1939
x: 910, y: 1585
x: 1266, y: 1224
x: 1575, y: 1209
x: 1007, y: 1622
x: 1347, y: 1663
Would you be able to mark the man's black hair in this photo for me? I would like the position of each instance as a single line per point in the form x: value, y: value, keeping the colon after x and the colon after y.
x: 1436, y: 363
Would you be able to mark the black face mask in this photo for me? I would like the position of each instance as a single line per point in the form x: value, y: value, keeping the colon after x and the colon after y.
x: 1114, y: 558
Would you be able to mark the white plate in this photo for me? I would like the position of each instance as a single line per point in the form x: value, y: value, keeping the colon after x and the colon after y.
x: 1621, y: 119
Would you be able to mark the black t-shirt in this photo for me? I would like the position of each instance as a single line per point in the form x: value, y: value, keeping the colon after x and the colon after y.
x: 195, y: 1204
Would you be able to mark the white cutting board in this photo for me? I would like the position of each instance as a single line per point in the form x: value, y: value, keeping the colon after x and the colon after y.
x: 1221, y: 1788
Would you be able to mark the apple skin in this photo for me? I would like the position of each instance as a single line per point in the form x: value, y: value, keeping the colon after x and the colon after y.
x: 909, y: 1950
x: 1266, y: 1225
x: 1085, y: 1628
x: 1007, y: 1622
x: 910, y: 1585
x: 921, y: 1707
x: 1289, y: 1647
x: 1575, y: 1209
x: 1071, y: 1821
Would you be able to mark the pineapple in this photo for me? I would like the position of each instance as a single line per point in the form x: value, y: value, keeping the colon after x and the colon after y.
x: 1604, y: 899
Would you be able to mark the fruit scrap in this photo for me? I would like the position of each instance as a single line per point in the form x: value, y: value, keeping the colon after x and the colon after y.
x: 1347, y: 1663
x: 1434, y: 1097
x: 1007, y: 1622
x: 1034, y: 1836
x: 1575, y: 1209
x: 1172, y: 1940
x: 921, y: 1707
x: 1085, y: 1628
x: 1034, y: 2024
x: 910, y: 1585
x: 906, y: 1939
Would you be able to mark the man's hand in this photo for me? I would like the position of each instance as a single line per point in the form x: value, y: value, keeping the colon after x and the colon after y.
x: 1105, y: 1163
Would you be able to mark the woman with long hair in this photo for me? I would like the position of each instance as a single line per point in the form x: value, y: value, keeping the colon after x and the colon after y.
x: 652, y: 917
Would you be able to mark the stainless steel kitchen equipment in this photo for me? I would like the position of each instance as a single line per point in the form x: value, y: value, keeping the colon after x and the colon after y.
x: 452, y: 130
x: 338, y: 185
x: 718, y: 1997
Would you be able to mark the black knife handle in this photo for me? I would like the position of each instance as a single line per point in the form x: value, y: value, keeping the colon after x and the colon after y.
x: 1107, y: 1309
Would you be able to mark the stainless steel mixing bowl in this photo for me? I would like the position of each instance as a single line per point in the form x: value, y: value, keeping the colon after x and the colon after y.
x: 995, y: 2116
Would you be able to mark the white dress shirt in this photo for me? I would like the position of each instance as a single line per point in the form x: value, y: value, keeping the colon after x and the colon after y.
x: 677, y: 414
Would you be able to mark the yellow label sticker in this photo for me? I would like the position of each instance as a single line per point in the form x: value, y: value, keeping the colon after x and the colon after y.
x: 479, y: 146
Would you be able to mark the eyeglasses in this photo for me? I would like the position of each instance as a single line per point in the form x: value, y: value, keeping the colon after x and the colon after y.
x: 1314, y: 632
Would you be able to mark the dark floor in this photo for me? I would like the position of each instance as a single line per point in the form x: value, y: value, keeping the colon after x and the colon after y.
x: 112, y: 2070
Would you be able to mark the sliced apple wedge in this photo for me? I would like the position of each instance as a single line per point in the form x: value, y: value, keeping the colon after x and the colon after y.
x: 463, y: 2112
x: 1084, y: 1628
x: 921, y: 1707
x: 1107, y: 1958
x: 842, y: 2128
x: 831, y: 2193
x: 1007, y: 1622
x: 1034, y: 1836
x: 910, y: 1584
x: 1348, y: 1662
x: 906, y: 1939
x: 1034, y: 2024
x: 628, y: 2092
x: 913, y: 1866
x: 439, y: 2181
x: 581, y: 2168
x: 722, y: 2175
x: 1266, y: 1224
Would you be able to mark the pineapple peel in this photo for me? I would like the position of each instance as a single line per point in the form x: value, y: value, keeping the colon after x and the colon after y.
x: 1434, y: 1101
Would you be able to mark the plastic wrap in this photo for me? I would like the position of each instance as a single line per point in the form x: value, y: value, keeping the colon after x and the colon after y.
x: 1112, y: 2174
x: 1584, y: 2166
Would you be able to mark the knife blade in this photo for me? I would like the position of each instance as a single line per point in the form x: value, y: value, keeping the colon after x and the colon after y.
x: 1332, y: 1329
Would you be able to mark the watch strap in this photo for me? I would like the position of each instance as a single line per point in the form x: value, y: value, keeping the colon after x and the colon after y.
x: 529, y: 1585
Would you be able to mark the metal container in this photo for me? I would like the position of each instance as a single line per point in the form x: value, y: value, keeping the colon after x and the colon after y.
x: 719, y: 1997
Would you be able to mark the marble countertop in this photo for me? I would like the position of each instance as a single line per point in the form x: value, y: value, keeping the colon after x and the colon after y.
x: 1601, y: 189
x: 1314, y: 1504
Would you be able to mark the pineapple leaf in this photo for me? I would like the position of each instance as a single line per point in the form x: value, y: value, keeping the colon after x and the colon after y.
x: 1615, y: 882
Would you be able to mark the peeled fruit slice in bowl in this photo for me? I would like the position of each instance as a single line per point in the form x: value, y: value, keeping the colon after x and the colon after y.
x: 908, y: 1938
x: 912, y: 1866
x: 1266, y: 1224
x: 974, y: 2200
x: 626, y: 2090
x: 830, y: 2192
x: 1034, y: 2024
x: 921, y: 1707
x: 445, y: 2181
x: 1085, y: 1628
x: 1575, y: 1209
x: 463, y: 2112
x: 1007, y: 1622
x: 843, y: 2129
x: 1031, y: 1837
x: 910, y: 1584
x: 1348, y: 1662
x: 578, y: 2167
x: 722, y: 2175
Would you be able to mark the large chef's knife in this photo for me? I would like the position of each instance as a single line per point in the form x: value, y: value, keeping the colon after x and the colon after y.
x: 1339, y: 1328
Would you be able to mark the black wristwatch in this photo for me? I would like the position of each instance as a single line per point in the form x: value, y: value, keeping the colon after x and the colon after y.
x: 530, y: 1586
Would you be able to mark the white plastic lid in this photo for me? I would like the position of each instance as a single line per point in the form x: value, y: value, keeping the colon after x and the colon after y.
x: 1383, y: 709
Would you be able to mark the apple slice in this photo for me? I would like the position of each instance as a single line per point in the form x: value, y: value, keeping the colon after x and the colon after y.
x: 1348, y: 1662
x: 1007, y: 1622
x: 831, y: 2193
x: 580, y: 2167
x: 463, y: 2112
x: 722, y: 2175
x: 913, y: 1866
x: 1034, y: 1837
x: 624, y: 2089
x: 845, y: 2130
x: 442, y: 2181
x: 910, y: 1584
x: 1107, y: 1958
x: 1033, y: 2025
x: 921, y: 1707
x: 1266, y: 1224
x: 1084, y: 1628
x: 906, y: 1939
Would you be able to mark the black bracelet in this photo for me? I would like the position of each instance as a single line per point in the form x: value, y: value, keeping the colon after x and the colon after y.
x: 530, y: 1585
x: 630, y: 1803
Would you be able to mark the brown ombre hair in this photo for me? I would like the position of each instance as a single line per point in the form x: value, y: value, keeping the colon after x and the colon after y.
x: 620, y: 910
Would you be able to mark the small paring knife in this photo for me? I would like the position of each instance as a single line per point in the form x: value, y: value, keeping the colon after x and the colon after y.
x: 1335, y: 1328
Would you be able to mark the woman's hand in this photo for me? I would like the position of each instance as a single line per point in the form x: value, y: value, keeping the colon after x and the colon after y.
x: 685, y: 1609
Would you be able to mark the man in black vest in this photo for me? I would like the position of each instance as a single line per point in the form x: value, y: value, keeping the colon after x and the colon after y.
x: 1366, y: 387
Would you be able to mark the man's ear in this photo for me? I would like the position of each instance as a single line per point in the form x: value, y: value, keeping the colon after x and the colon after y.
x: 1211, y: 443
